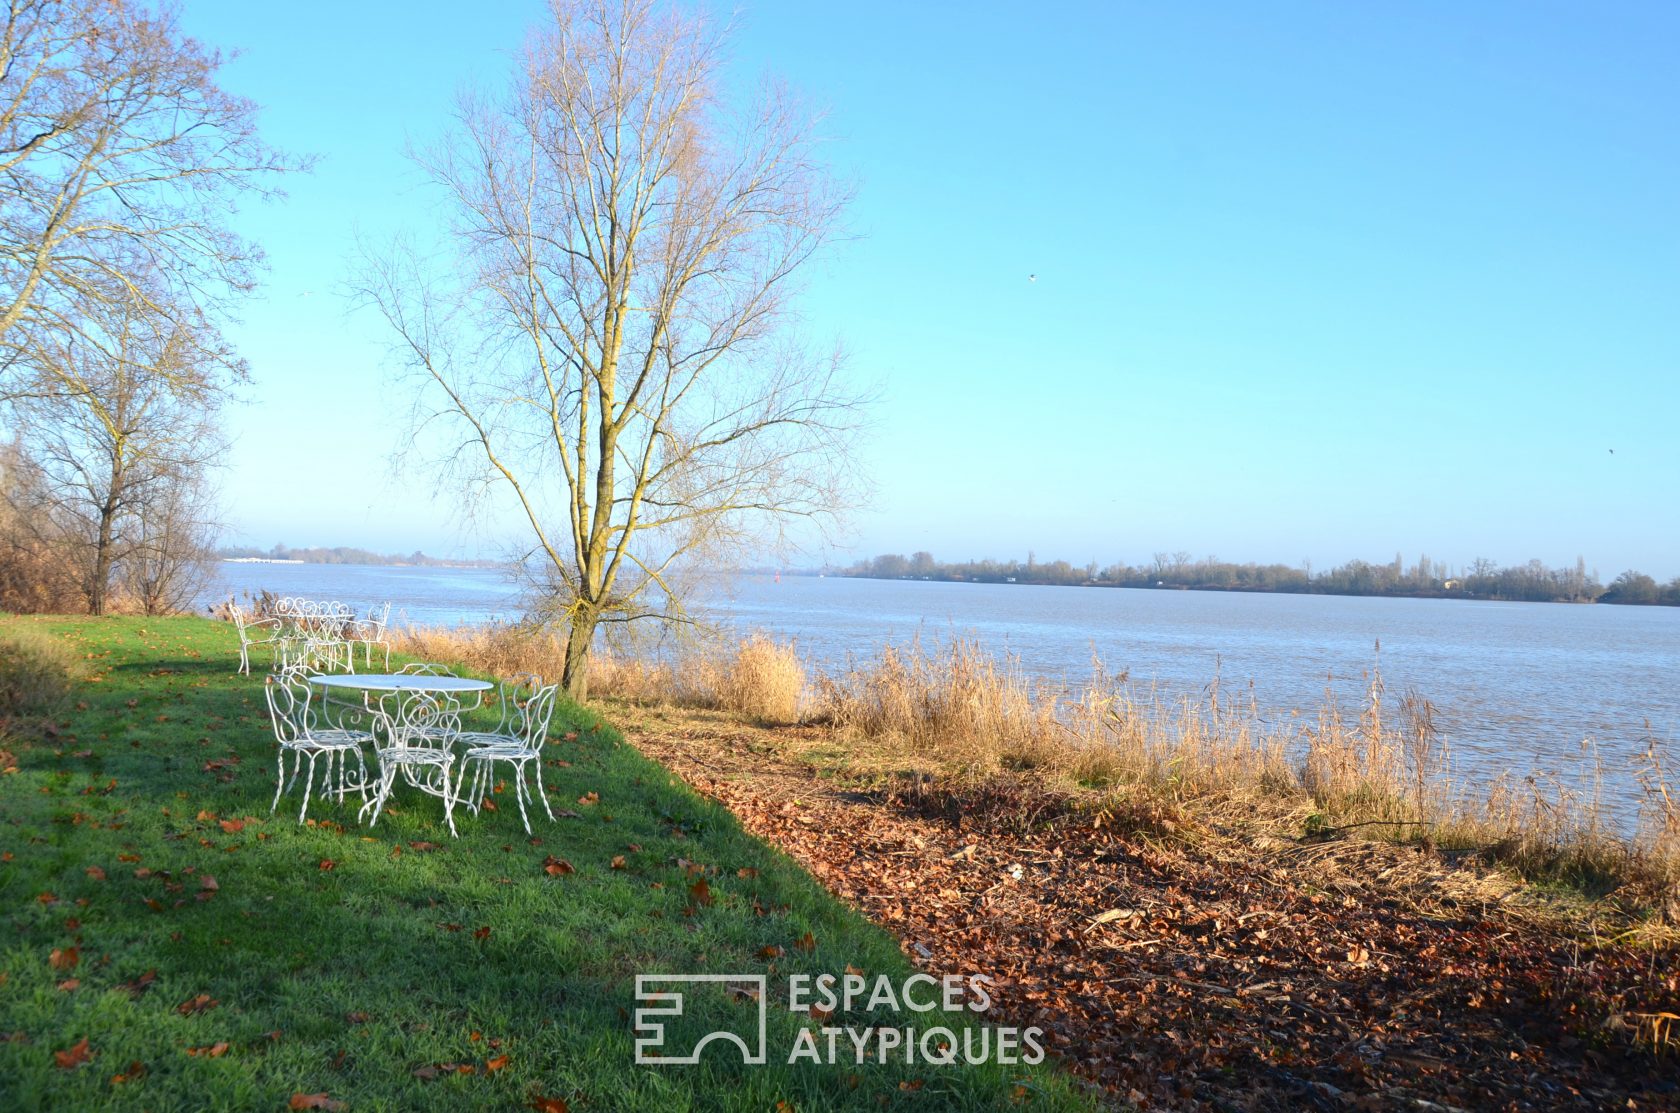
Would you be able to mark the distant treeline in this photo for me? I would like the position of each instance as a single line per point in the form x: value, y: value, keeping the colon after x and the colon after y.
x: 1532, y: 582
x: 343, y: 555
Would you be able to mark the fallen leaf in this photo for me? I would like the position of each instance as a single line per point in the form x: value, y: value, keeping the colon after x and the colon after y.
x: 139, y: 985
x: 74, y: 1057
x: 423, y: 847
x: 425, y: 1074
x: 356, y: 1018
x: 549, y: 1105
x: 746, y: 873
x: 135, y: 1070
x: 481, y: 933
x: 496, y: 1064
x: 806, y: 942
x: 69, y: 984
x: 772, y: 951
x: 65, y: 959
x: 557, y: 867
x: 233, y: 826
x: 618, y: 861
x: 96, y: 873
x: 214, y: 1051
x: 701, y: 892
x: 589, y: 798
x: 199, y: 1004
x: 328, y: 864
x: 315, y: 1101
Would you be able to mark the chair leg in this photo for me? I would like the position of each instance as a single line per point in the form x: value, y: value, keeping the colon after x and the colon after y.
x: 308, y: 783
x: 449, y: 804
x: 387, y: 774
x: 520, y: 792
x: 474, y: 793
x: 279, y: 779
x: 542, y: 793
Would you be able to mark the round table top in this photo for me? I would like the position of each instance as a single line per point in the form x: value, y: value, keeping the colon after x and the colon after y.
x: 400, y: 682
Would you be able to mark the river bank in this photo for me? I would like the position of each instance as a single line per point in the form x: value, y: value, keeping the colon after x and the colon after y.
x: 1373, y: 770
x: 1181, y: 960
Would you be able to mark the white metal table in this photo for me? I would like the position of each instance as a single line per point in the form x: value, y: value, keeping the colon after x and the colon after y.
x: 420, y: 716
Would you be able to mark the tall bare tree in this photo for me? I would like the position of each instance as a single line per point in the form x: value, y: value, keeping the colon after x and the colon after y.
x: 120, y: 156
x: 120, y: 423
x: 607, y: 329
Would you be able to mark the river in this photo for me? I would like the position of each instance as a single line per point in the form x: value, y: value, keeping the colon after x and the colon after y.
x: 1519, y: 688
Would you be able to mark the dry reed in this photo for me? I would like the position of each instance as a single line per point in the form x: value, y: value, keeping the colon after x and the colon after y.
x: 959, y: 711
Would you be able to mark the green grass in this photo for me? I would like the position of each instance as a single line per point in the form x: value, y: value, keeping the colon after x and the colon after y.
x: 153, y: 770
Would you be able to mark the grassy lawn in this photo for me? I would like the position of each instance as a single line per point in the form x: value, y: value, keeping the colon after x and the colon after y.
x: 212, y: 956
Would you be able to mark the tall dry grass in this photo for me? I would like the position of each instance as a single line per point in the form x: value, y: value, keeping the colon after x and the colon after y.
x: 37, y: 673
x: 958, y: 711
x: 759, y: 678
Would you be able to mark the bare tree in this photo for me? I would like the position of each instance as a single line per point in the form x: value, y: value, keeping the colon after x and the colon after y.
x: 608, y: 334
x: 119, y: 157
x: 174, y: 544
x: 119, y: 419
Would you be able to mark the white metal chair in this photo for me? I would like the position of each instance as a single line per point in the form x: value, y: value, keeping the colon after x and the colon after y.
x: 370, y: 630
x: 418, y: 727
x: 308, y: 734
x: 250, y: 628
x: 519, y: 749
x: 514, y: 695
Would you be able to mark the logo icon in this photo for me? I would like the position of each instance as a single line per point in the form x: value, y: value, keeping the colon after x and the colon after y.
x: 657, y: 1003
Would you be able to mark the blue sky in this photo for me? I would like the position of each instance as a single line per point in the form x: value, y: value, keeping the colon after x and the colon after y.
x: 1315, y: 281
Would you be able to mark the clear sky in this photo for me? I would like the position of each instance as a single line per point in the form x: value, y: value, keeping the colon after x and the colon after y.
x: 1315, y: 280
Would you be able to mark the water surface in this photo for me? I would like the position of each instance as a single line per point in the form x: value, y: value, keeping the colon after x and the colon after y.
x: 1519, y: 687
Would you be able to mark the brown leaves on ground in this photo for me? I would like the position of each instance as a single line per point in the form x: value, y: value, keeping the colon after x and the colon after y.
x: 193, y: 1006
x: 549, y: 1105
x: 74, y: 1056
x: 557, y: 867
x: 1223, y: 971
x: 213, y: 1051
x: 315, y: 1101
x: 64, y: 959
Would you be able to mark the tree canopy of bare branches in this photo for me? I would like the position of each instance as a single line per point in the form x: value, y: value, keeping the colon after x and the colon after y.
x: 607, y: 333
x: 120, y: 156
x: 118, y: 429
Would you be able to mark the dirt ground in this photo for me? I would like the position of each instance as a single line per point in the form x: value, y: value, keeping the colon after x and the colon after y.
x: 1178, y: 965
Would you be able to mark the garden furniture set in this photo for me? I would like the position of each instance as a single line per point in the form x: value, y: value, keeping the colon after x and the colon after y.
x: 411, y: 720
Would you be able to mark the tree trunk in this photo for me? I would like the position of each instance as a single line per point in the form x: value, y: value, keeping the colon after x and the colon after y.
x: 575, y: 680
x: 101, y: 580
